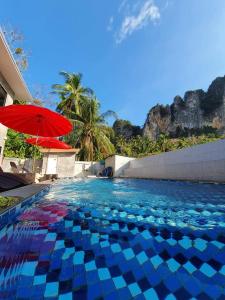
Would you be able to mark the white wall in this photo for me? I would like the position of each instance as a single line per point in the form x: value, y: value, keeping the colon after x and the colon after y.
x: 118, y: 163
x: 202, y: 162
x: 26, y: 163
x: 6, y: 163
x: 3, y: 129
x: 83, y: 168
x: 68, y: 167
x: 64, y: 164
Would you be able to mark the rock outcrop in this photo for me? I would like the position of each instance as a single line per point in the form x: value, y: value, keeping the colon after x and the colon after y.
x: 198, y: 112
x: 126, y: 129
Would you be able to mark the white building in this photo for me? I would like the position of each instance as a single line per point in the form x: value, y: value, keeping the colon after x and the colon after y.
x: 12, y: 84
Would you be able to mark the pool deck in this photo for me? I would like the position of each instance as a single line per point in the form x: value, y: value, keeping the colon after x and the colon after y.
x: 26, y: 191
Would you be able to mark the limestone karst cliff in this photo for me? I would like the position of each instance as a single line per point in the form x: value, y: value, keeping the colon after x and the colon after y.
x: 126, y: 129
x: 197, y: 112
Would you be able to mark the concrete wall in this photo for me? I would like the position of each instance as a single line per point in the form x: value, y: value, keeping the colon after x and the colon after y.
x: 67, y: 166
x: 3, y: 129
x: 26, y: 163
x: 118, y: 163
x: 84, y: 168
x: 202, y: 162
x: 6, y: 163
x: 64, y: 166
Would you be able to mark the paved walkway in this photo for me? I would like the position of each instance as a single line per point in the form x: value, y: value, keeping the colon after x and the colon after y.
x: 26, y: 191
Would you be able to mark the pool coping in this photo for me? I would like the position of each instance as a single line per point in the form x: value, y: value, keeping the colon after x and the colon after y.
x: 173, y: 180
x: 10, y: 213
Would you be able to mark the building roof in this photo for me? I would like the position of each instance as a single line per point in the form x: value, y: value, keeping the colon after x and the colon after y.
x: 74, y: 150
x: 11, y: 72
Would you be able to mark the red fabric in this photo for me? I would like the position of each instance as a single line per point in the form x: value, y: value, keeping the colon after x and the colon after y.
x: 34, y: 120
x: 48, y: 142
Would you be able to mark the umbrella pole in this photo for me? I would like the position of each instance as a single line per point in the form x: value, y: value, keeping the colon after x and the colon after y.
x: 34, y: 159
x: 46, y: 165
x: 33, y: 168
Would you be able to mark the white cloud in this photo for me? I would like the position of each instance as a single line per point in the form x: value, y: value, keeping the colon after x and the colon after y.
x: 148, y: 12
x: 122, y: 5
x: 110, y: 25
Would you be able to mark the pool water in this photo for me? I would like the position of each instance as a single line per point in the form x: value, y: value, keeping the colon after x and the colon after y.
x: 117, y: 239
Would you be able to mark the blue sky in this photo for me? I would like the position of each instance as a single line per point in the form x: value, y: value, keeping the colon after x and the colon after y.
x: 133, y: 53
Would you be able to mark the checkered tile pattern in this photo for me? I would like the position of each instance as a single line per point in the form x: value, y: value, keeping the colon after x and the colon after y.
x: 126, y: 247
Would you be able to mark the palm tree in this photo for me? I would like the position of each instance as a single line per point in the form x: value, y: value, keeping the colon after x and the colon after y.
x: 91, y: 131
x: 71, y: 93
x: 80, y: 105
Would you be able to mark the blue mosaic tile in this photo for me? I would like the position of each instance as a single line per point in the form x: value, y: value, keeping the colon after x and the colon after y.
x: 151, y: 294
x: 124, y: 293
x: 134, y: 289
x: 104, y: 274
x: 119, y: 282
x: 207, y: 270
x: 51, y: 289
x: 164, y: 241
x: 156, y: 261
x: 40, y: 279
x: 67, y: 296
x: 108, y: 286
x: 29, y: 268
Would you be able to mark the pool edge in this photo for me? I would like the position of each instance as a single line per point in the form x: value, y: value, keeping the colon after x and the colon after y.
x: 12, y: 212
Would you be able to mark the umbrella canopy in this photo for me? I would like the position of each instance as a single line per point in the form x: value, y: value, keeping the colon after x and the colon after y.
x: 34, y: 120
x: 48, y: 142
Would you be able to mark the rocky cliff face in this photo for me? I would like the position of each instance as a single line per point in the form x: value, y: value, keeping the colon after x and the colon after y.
x: 196, y: 113
x: 126, y: 129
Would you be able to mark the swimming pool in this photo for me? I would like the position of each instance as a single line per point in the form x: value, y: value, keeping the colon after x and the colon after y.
x: 117, y: 239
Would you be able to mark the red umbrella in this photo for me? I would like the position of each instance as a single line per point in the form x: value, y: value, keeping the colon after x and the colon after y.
x: 34, y: 120
x: 48, y: 142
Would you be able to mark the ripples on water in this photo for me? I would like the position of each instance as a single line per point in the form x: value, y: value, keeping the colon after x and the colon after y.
x: 173, y: 203
x: 104, y: 207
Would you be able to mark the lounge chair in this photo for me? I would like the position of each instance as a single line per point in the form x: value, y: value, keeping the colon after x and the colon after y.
x: 10, y: 181
x: 16, y: 169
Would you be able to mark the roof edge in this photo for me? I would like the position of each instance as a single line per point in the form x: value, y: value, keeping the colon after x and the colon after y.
x: 10, y: 55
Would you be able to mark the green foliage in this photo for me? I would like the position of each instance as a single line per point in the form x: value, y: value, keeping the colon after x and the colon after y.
x: 71, y: 93
x: 79, y: 104
x: 6, y: 202
x: 15, y: 146
x: 93, y: 135
x: 108, y: 131
x: 142, y: 146
x: 125, y: 128
x: 122, y: 123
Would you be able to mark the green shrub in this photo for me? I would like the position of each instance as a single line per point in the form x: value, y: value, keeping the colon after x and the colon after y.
x: 15, y: 146
x: 6, y: 202
x: 142, y: 146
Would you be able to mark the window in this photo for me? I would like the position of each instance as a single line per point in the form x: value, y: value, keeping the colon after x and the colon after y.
x: 3, y: 95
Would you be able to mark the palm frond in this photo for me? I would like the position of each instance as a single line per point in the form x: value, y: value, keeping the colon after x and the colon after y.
x: 81, y: 106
